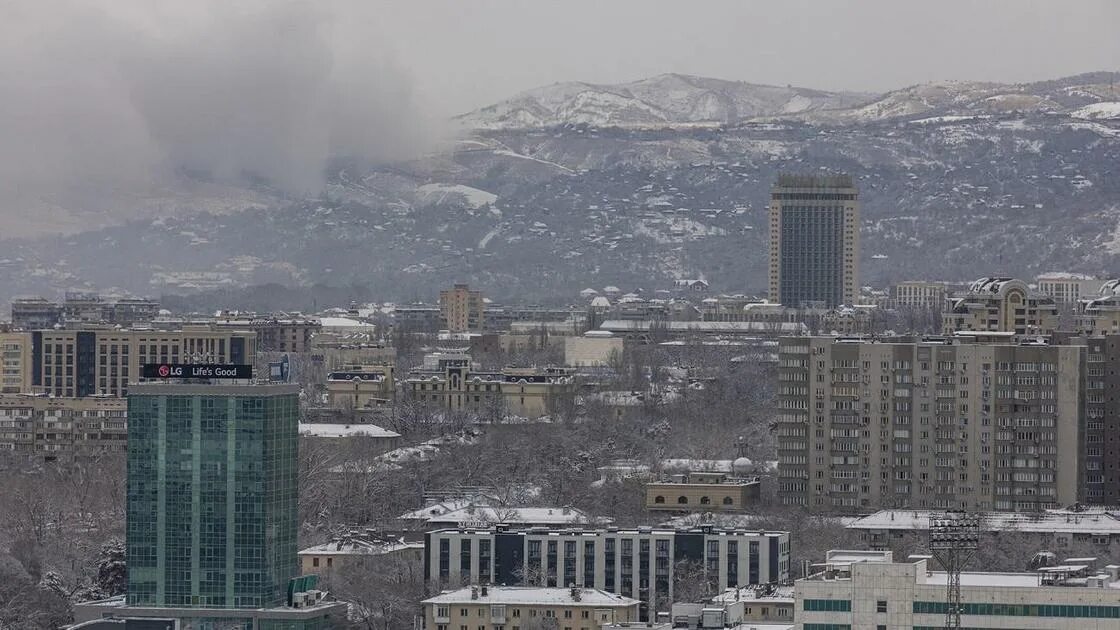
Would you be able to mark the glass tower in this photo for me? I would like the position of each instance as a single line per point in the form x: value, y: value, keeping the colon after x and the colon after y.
x: 212, y: 495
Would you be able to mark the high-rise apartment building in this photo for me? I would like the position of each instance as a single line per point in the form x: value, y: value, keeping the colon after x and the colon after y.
x: 213, y: 507
x: 1000, y: 305
x: 928, y: 424
x: 462, y: 309
x: 814, y: 241
x: 639, y: 563
x: 15, y: 362
x: 62, y: 428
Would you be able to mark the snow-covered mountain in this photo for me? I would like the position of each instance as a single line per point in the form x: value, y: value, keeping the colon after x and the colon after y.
x: 664, y: 100
x: 672, y: 100
x: 957, y: 180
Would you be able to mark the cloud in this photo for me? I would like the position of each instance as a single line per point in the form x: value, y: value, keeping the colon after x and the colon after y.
x: 110, y: 98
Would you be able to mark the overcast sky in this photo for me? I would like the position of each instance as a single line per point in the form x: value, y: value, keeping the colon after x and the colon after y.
x: 467, y: 54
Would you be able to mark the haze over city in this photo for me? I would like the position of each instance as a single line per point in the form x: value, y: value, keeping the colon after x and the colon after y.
x: 510, y: 315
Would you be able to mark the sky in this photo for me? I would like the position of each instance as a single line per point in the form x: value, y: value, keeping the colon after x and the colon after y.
x: 468, y: 54
x: 104, y: 97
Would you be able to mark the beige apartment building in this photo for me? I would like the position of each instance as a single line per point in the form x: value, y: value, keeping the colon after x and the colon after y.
x: 513, y: 608
x: 1067, y: 288
x: 1100, y: 315
x: 451, y: 380
x: 462, y: 309
x: 814, y: 241
x: 931, y: 424
x: 55, y: 428
x: 15, y: 359
x: 75, y: 363
x: 360, y: 387
x: 702, y: 491
x: 1001, y: 305
x: 919, y: 294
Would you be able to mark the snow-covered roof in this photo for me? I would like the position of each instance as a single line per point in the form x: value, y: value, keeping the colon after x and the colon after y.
x: 533, y: 596
x: 327, y: 430
x: 348, y: 547
x: 756, y: 592
x: 630, y: 325
x: 1063, y: 275
x: 515, y: 515
x: 436, y: 509
x: 1064, y: 522
x: 699, y: 465
x: 342, y: 322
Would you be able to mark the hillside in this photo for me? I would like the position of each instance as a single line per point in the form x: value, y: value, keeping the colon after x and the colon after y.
x: 955, y: 182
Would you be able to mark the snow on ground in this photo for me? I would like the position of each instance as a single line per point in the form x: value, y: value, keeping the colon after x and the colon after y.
x: 438, y: 193
x: 1098, y: 111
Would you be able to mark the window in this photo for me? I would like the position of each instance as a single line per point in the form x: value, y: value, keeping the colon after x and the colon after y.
x: 727, y: 501
x: 705, y: 501
x: 881, y: 606
x: 682, y: 500
x: 659, y: 499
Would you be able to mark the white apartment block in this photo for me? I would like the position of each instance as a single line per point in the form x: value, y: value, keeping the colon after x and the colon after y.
x: 867, y: 590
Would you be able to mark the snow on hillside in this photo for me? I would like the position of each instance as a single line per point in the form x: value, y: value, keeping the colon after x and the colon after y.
x: 1107, y: 110
x: 441, y: 193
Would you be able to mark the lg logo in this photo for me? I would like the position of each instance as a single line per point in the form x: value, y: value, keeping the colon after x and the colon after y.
x: 164, y: 371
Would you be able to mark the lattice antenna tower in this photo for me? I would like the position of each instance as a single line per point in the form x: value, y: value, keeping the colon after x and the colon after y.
x: 953, y: 539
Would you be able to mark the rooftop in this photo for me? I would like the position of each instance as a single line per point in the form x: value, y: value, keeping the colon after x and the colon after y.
x: 1049, y: 522
x: 532, y: 596
x: 482, y: 514
x: 361, y: 543
x: 328, y: 430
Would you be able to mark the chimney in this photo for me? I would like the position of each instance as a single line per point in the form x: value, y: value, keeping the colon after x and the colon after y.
x: 474, y: 592
x: 485, y: 590
x: 576, y: 592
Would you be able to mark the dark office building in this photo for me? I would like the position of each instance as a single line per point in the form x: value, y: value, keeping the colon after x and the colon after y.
x: 638, y: 563
x: 814, y: 241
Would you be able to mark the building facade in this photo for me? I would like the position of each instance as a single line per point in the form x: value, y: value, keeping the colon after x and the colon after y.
x: 638, y: 563
x: 869, y: 591
x: 928, y: 424
x: 1100, y: 315
x: 75, y: 363
x: 461, y: 309
x: 705, y: 491
x: 450, y: 380
x: 15, y: 362
x: 919, y: 294
x: 1068, y: 288
x: 361, y: 387
x: 62, y: 428
x: 501, y: 607
x: 276, y: 334
x: 814, y: 241
x: 212, y: 495
x: 1001, y: 305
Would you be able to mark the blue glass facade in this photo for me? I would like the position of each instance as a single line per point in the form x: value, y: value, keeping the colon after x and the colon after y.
x: 212, y: 495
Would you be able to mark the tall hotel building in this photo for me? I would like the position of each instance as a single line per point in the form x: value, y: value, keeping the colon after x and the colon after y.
x: 931, y: 424
x: 814, y: 241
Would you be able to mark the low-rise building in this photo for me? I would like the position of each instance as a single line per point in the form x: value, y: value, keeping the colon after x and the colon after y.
x: 1067, y: 288
x: 54, y: 428
x: 868, y: 590
x: 639, y: 563
x: 918, y: 294
x: 1100, y: 315
x: 743, y: 607
x: 1049, y: 529
x: 364, y: 548
x: 450, y: 380
x: 596, y: 348
x: 374, y: 439
x: 500, y: 607
x: 717, y: 492
x: 360, y: 387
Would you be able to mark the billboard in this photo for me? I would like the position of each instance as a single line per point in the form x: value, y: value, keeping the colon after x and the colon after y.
x: 196, y: 370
